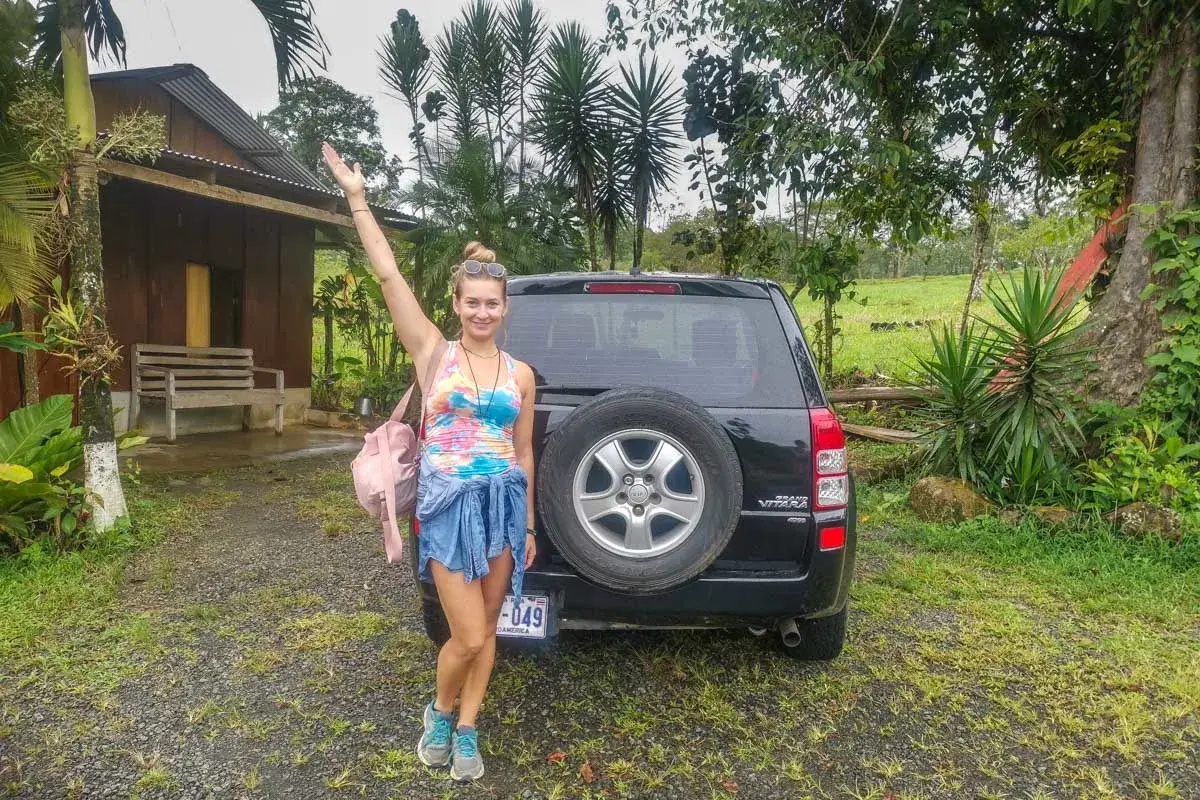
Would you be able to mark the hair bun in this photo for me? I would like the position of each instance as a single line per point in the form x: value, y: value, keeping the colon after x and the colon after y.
x: 478, y: 251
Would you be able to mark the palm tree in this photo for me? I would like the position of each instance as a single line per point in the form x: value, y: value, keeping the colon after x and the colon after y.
x: 571, y: 95
x: 65, y: 27
x: 648, y: 108
x: 404, y: 66
x: 525, y: 41
x: 483, y: 29
x: 612, y: 204
x: 467, y: 198
x: 454, y: 68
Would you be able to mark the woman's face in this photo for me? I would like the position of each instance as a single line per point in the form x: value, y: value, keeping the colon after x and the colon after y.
x: 480, y: 307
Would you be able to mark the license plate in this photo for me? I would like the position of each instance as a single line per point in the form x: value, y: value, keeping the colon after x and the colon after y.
x: 530, y: 619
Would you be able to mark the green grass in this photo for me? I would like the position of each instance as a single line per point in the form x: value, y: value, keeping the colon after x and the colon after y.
x: 935, y: 299
x: 983, y: 660
x: 59, y: 626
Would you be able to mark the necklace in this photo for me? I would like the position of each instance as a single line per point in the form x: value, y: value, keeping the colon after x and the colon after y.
x: 474, y: 380
x: 478, y: 355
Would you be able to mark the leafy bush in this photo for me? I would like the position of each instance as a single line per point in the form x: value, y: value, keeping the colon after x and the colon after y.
x: 38, y: 449
x: 1151, y: 454
x: 1001, y: 416
x: 1145, y: 461
x: 1175, y: 388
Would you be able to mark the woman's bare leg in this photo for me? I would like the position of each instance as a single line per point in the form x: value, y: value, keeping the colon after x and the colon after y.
x: 495, y: 585
x: 464, y: 606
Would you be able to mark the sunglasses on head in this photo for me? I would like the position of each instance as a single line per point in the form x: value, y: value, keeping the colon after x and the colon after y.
x: 473, y: 267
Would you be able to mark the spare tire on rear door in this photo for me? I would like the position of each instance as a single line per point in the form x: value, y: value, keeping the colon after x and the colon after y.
x: 639, y: 490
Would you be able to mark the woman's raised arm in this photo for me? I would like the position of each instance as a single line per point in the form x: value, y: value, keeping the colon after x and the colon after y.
x: 415, y: 331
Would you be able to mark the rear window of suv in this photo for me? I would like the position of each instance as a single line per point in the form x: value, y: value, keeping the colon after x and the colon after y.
x: 718, y: 351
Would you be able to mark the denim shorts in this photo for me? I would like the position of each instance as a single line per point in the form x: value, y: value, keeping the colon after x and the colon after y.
x: 465, y: 522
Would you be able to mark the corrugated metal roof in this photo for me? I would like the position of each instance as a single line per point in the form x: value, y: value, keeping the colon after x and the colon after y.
x: 391, y: 216
x: 189, y: 85
x: 253, y: 172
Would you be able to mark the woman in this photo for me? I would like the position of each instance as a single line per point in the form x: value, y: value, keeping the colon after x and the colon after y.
x: 474, y: 491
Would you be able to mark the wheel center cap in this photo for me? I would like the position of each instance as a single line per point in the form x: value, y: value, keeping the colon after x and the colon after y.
x: 638, y: 494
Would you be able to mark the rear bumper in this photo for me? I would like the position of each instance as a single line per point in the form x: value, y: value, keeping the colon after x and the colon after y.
x: 717, y: 597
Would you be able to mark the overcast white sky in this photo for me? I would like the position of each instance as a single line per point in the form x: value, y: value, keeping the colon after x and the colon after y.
x: 229, y: 41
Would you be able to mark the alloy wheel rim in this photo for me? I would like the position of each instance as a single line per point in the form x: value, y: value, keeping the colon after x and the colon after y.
x: 638, y: 493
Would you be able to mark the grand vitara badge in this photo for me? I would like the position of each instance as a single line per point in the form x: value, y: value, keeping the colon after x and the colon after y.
x: 786, y: 502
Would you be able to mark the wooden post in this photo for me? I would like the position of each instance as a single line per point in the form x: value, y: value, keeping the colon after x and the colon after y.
x: 135, y: 387
x: 170, y: 398
x: 279, y: 404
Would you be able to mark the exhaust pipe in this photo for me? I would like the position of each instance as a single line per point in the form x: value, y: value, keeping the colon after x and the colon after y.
x: 789, y: 632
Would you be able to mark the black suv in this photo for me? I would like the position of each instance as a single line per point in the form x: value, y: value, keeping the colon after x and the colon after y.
x: 690, y: 472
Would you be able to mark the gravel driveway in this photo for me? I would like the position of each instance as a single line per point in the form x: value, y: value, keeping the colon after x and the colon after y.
x: 265, y: 649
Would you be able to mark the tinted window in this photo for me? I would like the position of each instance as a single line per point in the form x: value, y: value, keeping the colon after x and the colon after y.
x: 719, y: 351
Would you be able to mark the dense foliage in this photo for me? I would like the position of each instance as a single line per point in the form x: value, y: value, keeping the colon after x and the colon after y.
x: 39, y: 448
x: 1002, y: 416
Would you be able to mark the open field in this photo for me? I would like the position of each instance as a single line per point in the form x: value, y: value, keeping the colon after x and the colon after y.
x: 258, y: 646
x: 935, y: 299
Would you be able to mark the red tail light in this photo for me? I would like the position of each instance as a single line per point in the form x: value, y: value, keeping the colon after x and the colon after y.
x: 631, y: 287
x: 833, y: 538
x: 830, y: 470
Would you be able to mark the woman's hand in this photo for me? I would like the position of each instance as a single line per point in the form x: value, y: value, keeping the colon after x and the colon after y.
x: 530, y: 549
x: 350, y: 180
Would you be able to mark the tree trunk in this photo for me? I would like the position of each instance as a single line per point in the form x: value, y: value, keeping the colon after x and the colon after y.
x: 31, y: 393
x: 981, y: 231
x: 639, y: 232
x: 521, y: 157
x: 1124, y: 328
x: 102, y: 478
x: 589, y: 219
x: 328, y: 318
x: 828, y: 340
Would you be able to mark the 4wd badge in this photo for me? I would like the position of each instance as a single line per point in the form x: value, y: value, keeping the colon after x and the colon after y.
x: 786, y: 502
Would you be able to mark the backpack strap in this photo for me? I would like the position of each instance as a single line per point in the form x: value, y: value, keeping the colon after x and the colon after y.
x: 430, y: 371
x: 393, y: 544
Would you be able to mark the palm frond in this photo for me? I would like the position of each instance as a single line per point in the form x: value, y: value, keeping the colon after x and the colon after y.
x: 650, y: 108
x: 404, y: 58
x: 105, y: 33
x: 299, y: 46
x: 452, y: 54
x: 27, y: 203
x: 525, y: 38
x: 484, y: 32
x: 571, y: 97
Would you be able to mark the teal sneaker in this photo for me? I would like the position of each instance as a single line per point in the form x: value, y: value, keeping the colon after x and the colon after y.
x: 434, y: 747
x: 465, y: 764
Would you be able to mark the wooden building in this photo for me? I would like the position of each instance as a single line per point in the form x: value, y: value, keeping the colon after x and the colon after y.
x: 211, y: 246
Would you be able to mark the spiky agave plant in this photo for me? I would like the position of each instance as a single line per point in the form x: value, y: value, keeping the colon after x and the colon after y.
x: 1030, y: 409
x: 957, y: 376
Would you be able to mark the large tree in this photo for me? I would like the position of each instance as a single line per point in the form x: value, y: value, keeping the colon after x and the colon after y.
x: 66, y: 28
x: 1162, y: 51
x: 316, y: 110
x: 1014, y: 82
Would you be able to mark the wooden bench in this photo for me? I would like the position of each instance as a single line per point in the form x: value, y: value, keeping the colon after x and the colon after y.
x: 200, y: 377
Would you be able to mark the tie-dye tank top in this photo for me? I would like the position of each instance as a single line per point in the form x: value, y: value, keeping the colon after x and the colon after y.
x: 458, y: 439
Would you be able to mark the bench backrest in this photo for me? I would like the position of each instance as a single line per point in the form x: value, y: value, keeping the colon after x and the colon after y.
x: 194, y: 367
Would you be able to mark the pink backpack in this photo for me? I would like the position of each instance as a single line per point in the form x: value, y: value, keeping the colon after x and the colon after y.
x: 385, y: 469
